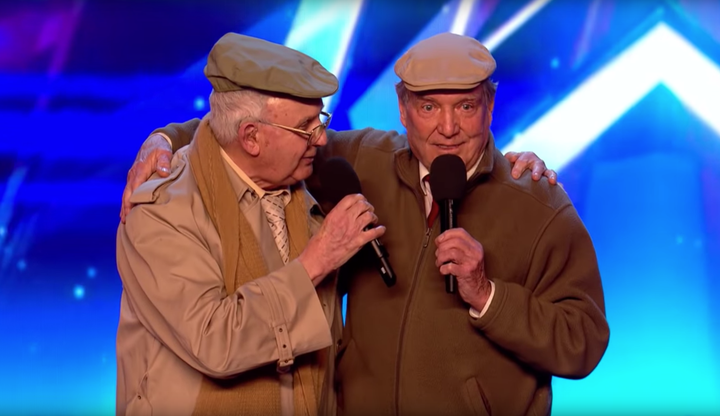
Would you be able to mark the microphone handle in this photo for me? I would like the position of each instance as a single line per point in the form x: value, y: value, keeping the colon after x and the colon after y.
x: 450, y: 283
x: 448, y: 220
x: 386, y: 271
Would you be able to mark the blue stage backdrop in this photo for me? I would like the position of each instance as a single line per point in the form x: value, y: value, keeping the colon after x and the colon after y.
x: 621, y: 97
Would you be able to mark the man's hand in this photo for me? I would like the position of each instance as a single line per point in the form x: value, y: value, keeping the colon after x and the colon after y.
x: 154, y: 156
x: 523, y: 161
x: 340, y: 237
x: 461, y: 255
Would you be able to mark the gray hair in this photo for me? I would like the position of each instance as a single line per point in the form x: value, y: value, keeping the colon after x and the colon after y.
x: 489, y: 87
x: 230, y: 109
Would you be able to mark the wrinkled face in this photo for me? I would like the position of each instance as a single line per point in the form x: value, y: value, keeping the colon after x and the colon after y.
x: 447, y: 121
x: 285, y: 156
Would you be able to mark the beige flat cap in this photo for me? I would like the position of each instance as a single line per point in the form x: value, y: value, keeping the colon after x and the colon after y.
x: 237, y: 61
x: 445, y: 61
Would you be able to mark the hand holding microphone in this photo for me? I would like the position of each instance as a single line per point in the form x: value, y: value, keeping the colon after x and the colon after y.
x: 338, y: 180
x: 447, y: 184
x: 459, y: 256
x: 343, y: 233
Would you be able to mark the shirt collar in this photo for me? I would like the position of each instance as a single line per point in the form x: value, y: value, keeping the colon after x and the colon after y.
x: 249, y: 184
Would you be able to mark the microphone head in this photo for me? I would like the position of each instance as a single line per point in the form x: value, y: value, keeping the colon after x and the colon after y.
x: 447, y: 177
x: 338, y: 179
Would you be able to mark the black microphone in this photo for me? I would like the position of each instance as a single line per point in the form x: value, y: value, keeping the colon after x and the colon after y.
x: 338, y: 180
x: 447, y: 184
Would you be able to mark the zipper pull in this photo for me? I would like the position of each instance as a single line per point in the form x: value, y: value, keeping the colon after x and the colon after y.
x: 426, y: 241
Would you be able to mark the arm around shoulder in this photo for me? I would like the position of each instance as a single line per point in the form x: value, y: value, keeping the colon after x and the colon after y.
x: 180, y: 134
x: 347, y: 143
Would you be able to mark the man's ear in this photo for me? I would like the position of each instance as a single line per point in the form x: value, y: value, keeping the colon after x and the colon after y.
x: 490, y: 108
x: 248, y: 138
x: 403, y: 112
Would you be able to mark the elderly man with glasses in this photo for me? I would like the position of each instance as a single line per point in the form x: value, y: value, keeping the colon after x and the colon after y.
x: 229, y: 299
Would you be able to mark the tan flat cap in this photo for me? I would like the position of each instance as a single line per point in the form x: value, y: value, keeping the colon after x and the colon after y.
x: 237, y: 61
x: 445, y: 61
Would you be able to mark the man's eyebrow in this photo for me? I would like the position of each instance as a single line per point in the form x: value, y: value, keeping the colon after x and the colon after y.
x: 424, y: 98
x: 467, y: 98
x: 470, y: 98
x: 304, y: 121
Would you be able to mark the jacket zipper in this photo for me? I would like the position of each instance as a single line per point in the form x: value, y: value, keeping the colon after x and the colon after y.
x: 421, y: 256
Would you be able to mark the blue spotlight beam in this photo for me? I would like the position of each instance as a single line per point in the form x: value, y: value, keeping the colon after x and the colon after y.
x: 323, y: 29
x: 514, y: 23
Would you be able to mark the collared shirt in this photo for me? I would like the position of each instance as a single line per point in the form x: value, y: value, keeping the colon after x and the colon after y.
x: 253, y: 186
x: 425, y: 186
x: 247, y: 201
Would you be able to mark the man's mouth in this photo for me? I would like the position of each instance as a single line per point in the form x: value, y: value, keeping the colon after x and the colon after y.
x: 448, y: 147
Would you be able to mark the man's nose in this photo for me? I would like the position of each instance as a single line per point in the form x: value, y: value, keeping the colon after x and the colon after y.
x: 448, y: 125
x: 322, y: 140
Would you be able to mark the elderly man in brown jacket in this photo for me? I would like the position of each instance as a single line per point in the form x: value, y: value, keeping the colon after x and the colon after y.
x: 530, y: 302
x: 229, y: 299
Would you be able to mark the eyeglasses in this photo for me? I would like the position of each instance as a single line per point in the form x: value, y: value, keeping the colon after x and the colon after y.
x: 313, y: 135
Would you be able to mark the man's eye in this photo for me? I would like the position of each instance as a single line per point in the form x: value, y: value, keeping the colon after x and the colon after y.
x: 427, y: 107
x: 467, y: 107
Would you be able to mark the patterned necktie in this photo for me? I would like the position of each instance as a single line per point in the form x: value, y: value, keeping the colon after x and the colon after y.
x: 435, y: 207
x: 274, y: 206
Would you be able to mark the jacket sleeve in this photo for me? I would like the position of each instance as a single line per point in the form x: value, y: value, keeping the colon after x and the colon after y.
x: 180, y: 134
x: 556, y: 321
x: 175, y: 288
x: 345, y: 144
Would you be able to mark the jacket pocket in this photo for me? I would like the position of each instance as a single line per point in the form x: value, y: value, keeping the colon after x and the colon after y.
x: 139, y: 405
x: 475, y: 398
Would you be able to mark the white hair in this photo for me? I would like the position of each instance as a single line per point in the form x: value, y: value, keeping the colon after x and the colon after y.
x: 230, y: 109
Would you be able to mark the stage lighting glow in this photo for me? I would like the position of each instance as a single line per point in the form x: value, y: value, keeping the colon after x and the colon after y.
x: 324, y: 31
x: 79, y: 292
x: 199, y: 103
x: 662, y: 56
